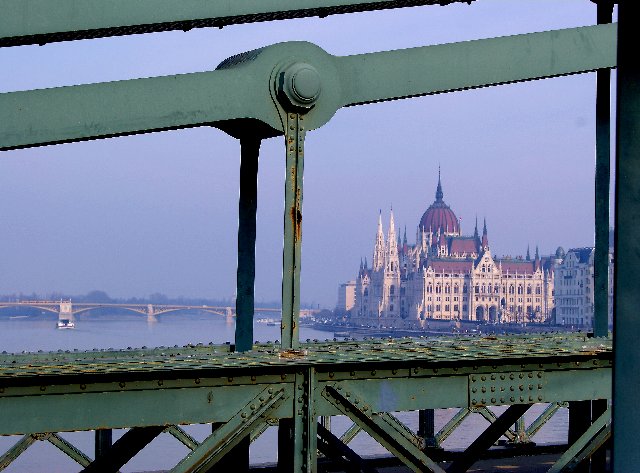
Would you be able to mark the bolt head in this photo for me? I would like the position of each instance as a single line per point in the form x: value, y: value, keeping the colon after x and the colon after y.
x: 299, y: 86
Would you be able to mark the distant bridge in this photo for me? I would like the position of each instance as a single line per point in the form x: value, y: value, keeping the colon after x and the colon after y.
x: 67, y: 310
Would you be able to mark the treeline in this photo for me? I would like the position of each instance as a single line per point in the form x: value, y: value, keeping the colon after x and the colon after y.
x: 104, y: 298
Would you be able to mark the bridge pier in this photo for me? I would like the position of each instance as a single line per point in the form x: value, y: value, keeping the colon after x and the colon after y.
x: 151, y: 315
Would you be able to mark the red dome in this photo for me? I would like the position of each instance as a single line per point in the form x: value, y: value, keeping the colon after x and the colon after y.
x: 439, y: 216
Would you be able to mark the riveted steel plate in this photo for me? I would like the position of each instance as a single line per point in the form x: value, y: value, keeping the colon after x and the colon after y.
x: 506, y: 388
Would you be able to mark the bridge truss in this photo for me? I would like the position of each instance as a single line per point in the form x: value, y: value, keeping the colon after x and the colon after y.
x: 290, y: 89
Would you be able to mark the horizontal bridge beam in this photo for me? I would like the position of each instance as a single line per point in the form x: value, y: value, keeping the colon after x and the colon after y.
x: 42, y: 21
x: 243, y: 87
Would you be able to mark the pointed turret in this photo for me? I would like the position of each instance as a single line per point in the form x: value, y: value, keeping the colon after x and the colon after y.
x: 485, y: 237
x: 378, y: 251
x: 475, y: 231
x: 404, y: 238
x: 392, y: 247
x: 528, y: 254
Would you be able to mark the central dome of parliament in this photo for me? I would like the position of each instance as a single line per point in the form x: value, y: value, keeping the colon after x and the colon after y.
x: 439, y: 215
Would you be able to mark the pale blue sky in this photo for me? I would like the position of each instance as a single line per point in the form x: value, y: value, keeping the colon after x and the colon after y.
x: 158, y: 212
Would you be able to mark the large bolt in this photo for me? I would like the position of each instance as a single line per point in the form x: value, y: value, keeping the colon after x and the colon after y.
x: 299, y: 85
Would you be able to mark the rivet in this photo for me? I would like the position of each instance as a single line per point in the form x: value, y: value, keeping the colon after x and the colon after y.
x: 474, y: 390
x: 531, y: 387
x: 493, y: 389
x: 283, y: 377
x: 292, y: 116
x: 270, y: 390
x: 539, y: 375
x: 394, y: 371
x: 197, y: 380
x: 331, y: 375
x: 493, y: 400
x: 353, y: 373
x: 512, y: 376
x: 521, y: 387
x: 160, y: 382
x: 473, y: 401
x: 230, y: 379
x: 513, y: 399
x: 252, y: 407
x: 373, y: 372
x: 416, y: 370
x: 521, y: 375
x: 473, y: 378
x: 121, y: 384
x: 83, y: 386
x: 493, y: 377
x: 530, y: 398
x: 484, y: 390
x: 483, y: 378
x: 539, y: 398
x: 501, y: 399
x: 521, y: 398
x: 243, y: 415
x: 43, y: 388
x: 502, y: 377
x: 253, y: 378
x: 530, y: 375
x: 512, y: 388
x: 539, y: 386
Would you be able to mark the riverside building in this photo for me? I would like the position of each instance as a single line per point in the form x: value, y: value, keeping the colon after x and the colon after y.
x: 448, y: 276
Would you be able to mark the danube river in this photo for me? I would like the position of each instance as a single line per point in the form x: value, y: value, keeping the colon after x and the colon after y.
x: 103, y: 331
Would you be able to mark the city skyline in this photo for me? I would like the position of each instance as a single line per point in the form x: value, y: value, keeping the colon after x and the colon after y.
x: 158, y: 212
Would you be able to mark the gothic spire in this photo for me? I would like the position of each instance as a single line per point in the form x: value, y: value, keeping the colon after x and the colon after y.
x: 475, y: 232
x: 537, y: 253
x: 484, y: 229
x: 439, y: 194
x: 485, y: 238
x: 379, y: 250
x: 528, y: 254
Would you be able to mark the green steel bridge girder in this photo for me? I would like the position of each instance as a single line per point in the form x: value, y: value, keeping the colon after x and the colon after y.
x: 72, y: 407
x: 244, y: 90
x: 41, y: 21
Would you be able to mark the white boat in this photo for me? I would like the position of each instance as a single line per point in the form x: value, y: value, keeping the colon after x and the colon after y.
x: 66, y: 323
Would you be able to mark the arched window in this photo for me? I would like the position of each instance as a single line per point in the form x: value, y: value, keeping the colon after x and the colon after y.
x: 447, y: 289
x: 512, y: 289
x: 438, y: 288
x: 538, y: 291
x: 429, y: 288
x: 484, y: 288
x: 496, y: 289
x: 392, y: 290
x: 456, y: 289
x: 477, y: 288
x: 528, y: 289
x: 489, y: 288
x: 519, y: 289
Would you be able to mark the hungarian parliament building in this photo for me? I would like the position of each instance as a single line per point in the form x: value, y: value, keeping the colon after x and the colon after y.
x: 446, y: 275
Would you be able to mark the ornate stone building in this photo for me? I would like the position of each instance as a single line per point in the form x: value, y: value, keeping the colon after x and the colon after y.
x: 446, y: 275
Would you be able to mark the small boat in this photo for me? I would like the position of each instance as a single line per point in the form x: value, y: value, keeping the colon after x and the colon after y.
x: 65, y: 323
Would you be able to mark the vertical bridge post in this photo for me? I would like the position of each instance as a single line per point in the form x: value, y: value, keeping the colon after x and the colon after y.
x: 626, y: 383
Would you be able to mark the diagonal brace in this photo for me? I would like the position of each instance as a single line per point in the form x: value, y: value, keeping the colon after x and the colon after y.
x: 331, y: 447
x: 17, y: 450
x: 384, y: 428
x: 68, y: 449
x: 183, y: 437
x: 124, y: 449
x: 220, y: 442
x: 488, y: 437
x: 589, y: 441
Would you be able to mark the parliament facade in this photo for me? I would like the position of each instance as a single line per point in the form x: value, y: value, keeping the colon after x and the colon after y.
x: 446, y: 275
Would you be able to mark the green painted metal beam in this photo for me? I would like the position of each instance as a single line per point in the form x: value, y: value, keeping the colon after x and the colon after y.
x: 42, y: 21
x: 227, y: 436
x: 243, y: 86
x: 626, y: 415
x: 384, y: 428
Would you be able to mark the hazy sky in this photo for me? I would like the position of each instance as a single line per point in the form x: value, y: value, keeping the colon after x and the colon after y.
x: 158, y: 212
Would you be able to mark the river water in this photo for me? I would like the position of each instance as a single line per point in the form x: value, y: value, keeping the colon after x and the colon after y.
x: 103, y: 331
